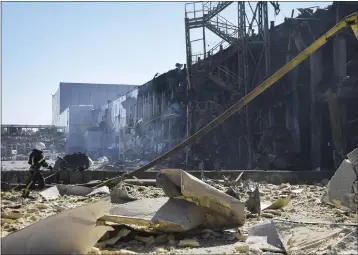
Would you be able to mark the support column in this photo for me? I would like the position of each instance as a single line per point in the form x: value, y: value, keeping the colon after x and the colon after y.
x: 339, y: 57
x: 190, y: 90
x: 340, y: 71
x: 315, y: 116
x: 295, y: 103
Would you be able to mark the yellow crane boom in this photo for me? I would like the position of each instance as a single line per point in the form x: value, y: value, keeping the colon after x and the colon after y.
x: 351, y: 20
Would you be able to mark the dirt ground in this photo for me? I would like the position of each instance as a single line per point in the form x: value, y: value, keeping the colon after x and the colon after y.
x: 305, y: 206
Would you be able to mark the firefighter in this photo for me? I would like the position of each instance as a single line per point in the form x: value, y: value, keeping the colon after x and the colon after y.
x: 37, y: 160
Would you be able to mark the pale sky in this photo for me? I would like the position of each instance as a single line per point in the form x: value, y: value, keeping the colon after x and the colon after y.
x: 45, y: 43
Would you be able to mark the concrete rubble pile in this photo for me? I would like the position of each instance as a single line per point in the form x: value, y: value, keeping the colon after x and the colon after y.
x: 342, y: 190
x: 181, y: 215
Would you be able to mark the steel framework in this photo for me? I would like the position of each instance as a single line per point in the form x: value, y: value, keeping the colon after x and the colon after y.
x: 249, y: 39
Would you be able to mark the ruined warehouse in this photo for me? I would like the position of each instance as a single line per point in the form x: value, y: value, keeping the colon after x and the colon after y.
x: 305, y: 121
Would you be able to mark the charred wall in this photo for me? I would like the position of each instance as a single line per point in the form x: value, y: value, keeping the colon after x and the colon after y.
x: 306, y: 119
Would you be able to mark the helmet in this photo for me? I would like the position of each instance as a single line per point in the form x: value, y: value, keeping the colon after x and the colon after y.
x: 40, y: 146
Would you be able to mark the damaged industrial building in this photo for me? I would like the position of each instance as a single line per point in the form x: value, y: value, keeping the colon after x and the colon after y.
x: 17, y: 141
x: 215, y: 113
x: 306, y: 121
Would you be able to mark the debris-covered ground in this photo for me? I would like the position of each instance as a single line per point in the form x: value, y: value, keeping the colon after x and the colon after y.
x: 305, y: 206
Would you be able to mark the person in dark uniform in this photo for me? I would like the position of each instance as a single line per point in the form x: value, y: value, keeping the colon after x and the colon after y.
x: 37, y: 160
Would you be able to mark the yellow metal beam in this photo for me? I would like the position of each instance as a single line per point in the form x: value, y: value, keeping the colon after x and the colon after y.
x: 355, y: 29
x: 351, y: 20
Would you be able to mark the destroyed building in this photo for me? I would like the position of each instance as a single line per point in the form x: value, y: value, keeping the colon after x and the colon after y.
x: 17, y: 141
x: 306, y: 121
x: 73, y: 106
x: 148, y: 120
x: 307, y: 118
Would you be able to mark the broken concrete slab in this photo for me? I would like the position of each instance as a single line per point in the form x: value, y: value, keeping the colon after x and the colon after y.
x: 72, y: 231
x: 221, y: 210
x: 320, y: 238
x: 119, y: 194
x: 353, y: 157
x: 71, y: 190
x: 342, y: 190
x: 114, y: 239
x: 264, y: 236
x: 157, y: 215
x: 193, y: 204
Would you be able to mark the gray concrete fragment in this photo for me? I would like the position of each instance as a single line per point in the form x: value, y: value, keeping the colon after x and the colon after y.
x: 71, y: 190
x: 340, y: 190
x: 161, y: 214
x: 265, y: 237
x: 73, y: 231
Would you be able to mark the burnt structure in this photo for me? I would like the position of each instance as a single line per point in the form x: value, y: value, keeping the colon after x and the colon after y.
x: 18, y: 140
x: 307, y: 120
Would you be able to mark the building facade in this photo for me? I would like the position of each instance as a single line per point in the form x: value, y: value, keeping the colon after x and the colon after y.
x: 305, y: 121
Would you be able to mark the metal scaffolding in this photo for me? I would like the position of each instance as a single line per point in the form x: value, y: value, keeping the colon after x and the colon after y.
x: 244, y: 39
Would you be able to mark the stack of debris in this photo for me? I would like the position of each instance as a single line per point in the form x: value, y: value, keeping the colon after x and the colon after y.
x: 183, y: 215
x: 342, y: 190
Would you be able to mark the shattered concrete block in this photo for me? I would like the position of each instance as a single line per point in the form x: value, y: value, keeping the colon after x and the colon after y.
x: 160, y: 214
x: 111, y: 241
x: 61, y: 190
x: 192, y: 243
x: 119, y: 195
x: 340, y: 189
x: 353, y: 157
x: 302, y: 238
x: 264, y: 236
x: 43, y: 237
